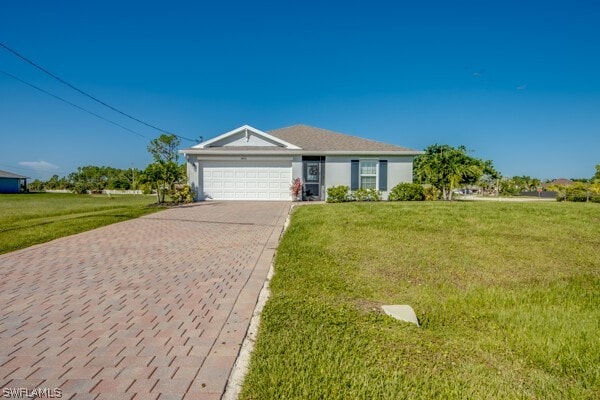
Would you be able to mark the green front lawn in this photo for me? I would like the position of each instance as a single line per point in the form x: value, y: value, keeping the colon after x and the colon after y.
x: 28, y: 219
x: 508, y: 295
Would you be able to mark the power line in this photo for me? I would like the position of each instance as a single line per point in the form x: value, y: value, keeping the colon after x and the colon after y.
x: 22, y: 57
x: 72, y: 104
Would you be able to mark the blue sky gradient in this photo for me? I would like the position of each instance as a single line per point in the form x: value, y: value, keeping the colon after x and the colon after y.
x: 516, y: 82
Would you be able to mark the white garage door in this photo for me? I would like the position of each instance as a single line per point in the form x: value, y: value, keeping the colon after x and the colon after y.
x: 247, y: 180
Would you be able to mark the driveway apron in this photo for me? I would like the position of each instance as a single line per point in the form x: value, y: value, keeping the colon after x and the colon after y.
x: 152, y: 307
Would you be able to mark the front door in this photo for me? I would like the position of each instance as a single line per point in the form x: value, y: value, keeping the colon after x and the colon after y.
x: 312, y: 178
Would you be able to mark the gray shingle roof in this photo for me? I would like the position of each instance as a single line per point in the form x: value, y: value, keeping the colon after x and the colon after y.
x: 310, y: 138
x: 6, y: 174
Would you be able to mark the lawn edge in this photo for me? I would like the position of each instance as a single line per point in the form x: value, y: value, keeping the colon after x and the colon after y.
x: 241, y: 366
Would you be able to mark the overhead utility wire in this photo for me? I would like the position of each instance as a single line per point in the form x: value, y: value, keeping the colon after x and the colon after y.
x: 22, y: 57
x: 72, y: 104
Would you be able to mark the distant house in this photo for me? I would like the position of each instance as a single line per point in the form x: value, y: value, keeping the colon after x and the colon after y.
x: 12, y: 183
x: 249, y: 164
x: 559, y: 182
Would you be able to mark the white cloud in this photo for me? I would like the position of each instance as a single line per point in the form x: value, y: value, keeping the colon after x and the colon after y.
x: 40, y: 166
x: 522, y: 87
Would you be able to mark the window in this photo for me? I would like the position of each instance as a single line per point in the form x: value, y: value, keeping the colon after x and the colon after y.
x: 368, y: 174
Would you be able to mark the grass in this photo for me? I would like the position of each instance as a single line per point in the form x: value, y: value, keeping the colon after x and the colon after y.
x: 28, y: 219
x: 508, y: 296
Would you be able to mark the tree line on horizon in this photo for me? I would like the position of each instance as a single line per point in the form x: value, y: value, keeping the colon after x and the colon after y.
x: 448, y: 168
x: 159, y: 177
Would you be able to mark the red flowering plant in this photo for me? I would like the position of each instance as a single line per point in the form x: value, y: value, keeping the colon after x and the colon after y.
x: 296, y: 188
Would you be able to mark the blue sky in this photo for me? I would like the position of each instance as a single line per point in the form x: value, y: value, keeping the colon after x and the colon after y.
x: 516, y: 82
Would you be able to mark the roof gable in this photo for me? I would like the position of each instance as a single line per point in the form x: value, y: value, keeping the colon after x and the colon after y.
x: 246, y: 137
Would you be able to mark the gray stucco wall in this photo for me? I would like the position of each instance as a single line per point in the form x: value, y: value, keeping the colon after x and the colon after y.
x: 193, y: 176
x: 297, y: 167
x: 337, y: 170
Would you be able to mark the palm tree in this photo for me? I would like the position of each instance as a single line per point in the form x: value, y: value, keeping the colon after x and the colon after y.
x: 446, y: 167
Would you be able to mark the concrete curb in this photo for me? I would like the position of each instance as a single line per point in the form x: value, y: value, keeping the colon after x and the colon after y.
x: 240, y: 368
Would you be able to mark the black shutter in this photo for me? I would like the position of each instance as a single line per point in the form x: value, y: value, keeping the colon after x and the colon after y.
x: 383, y: 175
x: 354, y: 175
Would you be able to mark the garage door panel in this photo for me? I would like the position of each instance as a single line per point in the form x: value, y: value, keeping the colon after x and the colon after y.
x: 247, y: 180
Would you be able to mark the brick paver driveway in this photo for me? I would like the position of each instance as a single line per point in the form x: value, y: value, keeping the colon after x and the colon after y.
x: 155, y: 307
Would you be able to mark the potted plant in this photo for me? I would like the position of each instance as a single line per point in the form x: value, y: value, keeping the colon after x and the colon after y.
x: 296, y: 189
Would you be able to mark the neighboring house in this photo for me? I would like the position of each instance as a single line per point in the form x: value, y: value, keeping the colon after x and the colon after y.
x: 249, y: 164
x: 559, y: 182
x: 12, y: 183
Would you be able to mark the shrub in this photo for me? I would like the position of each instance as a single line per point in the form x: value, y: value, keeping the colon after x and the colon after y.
x: 407, y: 192
x: 184, y: 194
x: 366, y: 195
x: 582, y: 198
x: 81, y: 188
x: 146, y: 188
x: 338, y: 194
x: 431, y: 193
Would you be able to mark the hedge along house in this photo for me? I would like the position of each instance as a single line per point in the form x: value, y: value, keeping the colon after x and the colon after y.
x: 12, y: 183
x: 249, y: 164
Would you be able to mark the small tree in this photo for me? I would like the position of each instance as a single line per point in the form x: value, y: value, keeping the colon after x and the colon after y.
x: 36, y: 186
x: 164, y: 171
x: 446, y: 167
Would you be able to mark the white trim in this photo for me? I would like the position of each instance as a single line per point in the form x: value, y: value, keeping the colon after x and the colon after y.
x: 360, y: 175
x: 245, y: 128
x: 195, y: 150
x: 238, y: 158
